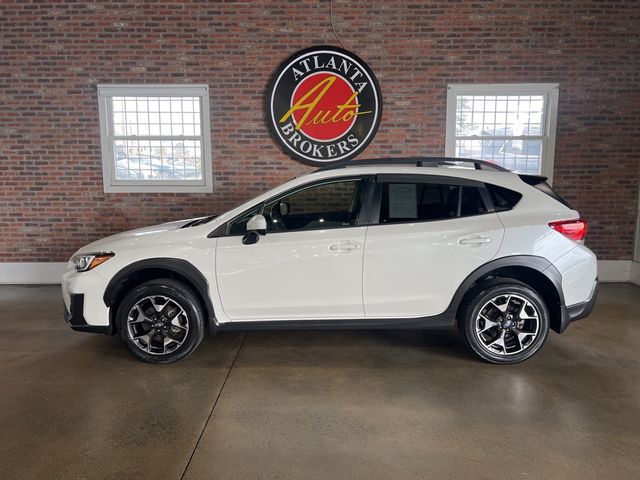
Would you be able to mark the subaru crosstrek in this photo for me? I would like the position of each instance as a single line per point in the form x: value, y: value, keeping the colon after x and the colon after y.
x: 393, y: 243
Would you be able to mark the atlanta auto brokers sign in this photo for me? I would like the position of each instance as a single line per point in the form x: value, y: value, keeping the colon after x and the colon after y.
x: 324, y: 105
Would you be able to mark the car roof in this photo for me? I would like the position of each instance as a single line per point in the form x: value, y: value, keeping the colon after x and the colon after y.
x: 436, y: 166
x: 507, y: 179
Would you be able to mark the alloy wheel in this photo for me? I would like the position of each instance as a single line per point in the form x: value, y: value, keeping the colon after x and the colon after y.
x: 157, y: 325
x: 507, y: 324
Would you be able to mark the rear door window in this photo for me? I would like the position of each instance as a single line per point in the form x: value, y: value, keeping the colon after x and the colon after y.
x: 471, y: 202
x: 419, y: 202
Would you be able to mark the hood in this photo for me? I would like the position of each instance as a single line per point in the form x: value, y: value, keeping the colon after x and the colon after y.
x: 149, y: 234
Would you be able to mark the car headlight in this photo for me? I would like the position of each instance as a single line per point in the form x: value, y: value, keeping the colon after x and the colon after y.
x: 86, y: 261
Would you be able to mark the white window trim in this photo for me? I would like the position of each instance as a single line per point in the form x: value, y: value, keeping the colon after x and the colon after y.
x: 111, y: 185
x: 549, y: 91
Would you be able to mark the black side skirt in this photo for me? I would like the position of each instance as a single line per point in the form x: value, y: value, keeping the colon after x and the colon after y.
x: 442, y: 321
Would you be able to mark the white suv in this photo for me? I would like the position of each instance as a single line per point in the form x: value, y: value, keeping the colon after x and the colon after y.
x: 392, y: 243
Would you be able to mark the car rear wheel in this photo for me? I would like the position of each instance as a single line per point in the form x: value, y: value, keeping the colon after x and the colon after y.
x: 161, y: 321
x: 505, y: 321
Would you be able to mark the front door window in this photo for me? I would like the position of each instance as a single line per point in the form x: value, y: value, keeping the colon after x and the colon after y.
x: 326, y: 206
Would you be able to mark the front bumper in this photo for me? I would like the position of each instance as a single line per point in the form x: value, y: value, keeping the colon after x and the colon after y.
x: 82, y: 297
x: 579, y: 310
x: 74, y: 316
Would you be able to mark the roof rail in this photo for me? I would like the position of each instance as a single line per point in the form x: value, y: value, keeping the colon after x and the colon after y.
x: 416, y: 162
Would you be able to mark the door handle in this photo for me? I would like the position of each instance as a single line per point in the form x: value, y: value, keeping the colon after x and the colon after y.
x: 337, y: 247
x: 474, y: 241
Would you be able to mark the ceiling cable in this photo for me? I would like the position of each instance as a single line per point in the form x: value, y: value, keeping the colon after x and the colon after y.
x: 332, y: 26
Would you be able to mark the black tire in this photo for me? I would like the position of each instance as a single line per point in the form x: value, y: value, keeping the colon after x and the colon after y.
x: 487, y: 344
x: 185, y: 330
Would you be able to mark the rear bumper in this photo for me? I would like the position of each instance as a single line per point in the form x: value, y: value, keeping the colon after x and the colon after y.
x: 579, y: 310
x: 74, y: 316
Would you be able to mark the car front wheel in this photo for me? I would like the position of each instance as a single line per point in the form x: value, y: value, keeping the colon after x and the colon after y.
x: 505, y: 321
x: 161, y: 321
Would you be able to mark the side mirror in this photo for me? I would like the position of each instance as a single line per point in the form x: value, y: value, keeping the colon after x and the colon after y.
x: 257, y: 223
x: 255, y: 226
x: 250, y: 238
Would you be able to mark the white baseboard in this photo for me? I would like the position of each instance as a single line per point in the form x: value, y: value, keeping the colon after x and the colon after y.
x: 614, y: 270
x: 619, y: 271
x: 51, y: 272
x: 31, y: 272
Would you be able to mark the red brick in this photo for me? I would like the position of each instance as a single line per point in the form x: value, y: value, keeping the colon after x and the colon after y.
x: 52, y: 55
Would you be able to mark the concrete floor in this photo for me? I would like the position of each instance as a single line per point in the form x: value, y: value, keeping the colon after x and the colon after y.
x: 315, y: 405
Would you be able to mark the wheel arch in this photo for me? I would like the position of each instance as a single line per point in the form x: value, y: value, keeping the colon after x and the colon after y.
x: 537, y: 272
x: 149, y: 269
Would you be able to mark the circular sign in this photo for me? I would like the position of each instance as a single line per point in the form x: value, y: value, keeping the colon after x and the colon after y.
x: 324, y: 105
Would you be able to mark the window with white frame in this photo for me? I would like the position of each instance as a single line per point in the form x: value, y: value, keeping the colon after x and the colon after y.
x: 512, y: 125
x: 155, y: 138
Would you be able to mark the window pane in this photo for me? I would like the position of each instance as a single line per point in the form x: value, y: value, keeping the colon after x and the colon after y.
x: 523, y: 156
x: 143, y: 116
x: 501, y: 116
x: 331, y: 205
x: 508, y: 115
x: 158, y: 159
x: 410, y: 202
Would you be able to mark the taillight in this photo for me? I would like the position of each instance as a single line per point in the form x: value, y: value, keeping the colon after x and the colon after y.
x: 574, y: 229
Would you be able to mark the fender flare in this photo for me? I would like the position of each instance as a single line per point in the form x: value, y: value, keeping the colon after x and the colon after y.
x: 178, y: 266
x: 534, y: 262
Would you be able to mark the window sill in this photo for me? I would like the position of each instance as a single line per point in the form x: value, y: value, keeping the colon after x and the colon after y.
x: 158, y: 188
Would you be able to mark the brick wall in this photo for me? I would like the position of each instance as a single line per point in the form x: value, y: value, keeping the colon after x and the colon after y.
x: 52, y: 55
